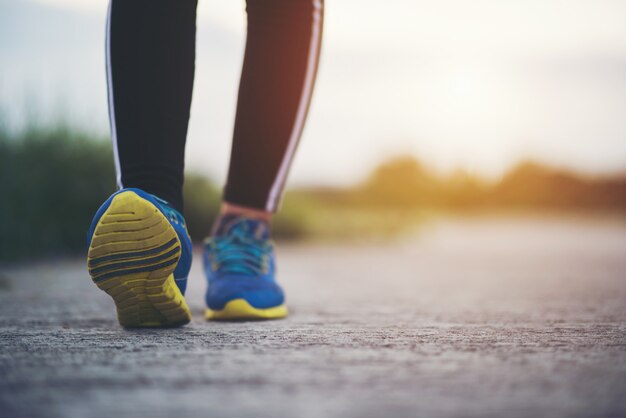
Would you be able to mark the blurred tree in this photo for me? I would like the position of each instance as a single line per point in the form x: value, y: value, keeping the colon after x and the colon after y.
x: 52, y: 182
x: 401, y: 181
x: 202, y: 204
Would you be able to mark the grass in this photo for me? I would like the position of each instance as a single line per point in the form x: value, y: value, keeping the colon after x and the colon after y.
x: 54, y: 179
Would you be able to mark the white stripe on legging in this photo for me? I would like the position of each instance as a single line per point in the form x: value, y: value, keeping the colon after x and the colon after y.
x: 116, y: 156
x: 279, y: 181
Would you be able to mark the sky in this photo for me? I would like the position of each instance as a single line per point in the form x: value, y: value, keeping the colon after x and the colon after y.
x: 477, y: 85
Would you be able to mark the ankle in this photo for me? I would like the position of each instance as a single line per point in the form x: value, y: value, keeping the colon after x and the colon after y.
x: 245, y: 211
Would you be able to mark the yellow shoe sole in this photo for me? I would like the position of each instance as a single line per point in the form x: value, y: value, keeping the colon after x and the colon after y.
x: 132, y: 257
x: 240, y: 309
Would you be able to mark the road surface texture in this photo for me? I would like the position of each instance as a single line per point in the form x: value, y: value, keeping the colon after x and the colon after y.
x: 501, y: 318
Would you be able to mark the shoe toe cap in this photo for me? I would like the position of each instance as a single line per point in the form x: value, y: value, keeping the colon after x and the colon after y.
x: 258, y: 293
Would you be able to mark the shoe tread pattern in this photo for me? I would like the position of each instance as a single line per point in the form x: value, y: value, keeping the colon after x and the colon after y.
x: 133, y: 253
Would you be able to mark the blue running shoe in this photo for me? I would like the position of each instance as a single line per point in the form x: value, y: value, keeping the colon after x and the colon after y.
x: 239, y: 265
x: 140, y: 254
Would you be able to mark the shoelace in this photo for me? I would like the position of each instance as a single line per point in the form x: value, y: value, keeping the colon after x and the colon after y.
x: 238, y: 252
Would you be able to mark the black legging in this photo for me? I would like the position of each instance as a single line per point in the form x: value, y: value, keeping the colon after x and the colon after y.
x: 150, y: 63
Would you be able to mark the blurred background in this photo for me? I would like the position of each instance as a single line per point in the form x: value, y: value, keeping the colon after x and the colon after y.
x: 423, y: 110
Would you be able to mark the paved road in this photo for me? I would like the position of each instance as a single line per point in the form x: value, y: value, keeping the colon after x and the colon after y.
x: 471, y: 318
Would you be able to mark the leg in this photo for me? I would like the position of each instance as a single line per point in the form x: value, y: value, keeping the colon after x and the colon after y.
x: 150, y: 67
x: 139, y: 250
x: 280, y: 64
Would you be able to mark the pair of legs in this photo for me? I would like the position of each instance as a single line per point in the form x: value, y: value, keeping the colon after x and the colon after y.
x: 139, y: 249
x: 150, y: 67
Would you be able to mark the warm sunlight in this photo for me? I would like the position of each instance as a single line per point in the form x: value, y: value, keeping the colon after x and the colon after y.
x: 466, y: 98
x: 480, y: 85
x: 312, y: 208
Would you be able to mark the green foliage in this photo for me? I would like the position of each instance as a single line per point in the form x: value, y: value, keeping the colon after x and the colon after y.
x: 202, y: 204
x: 295, y: 217
x: 399, y: 182
x: 52, y: 182
x: 530, y: 185
x: 404, y: 183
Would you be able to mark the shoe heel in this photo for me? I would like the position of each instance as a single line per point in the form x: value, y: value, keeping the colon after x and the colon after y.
x: 133, y: 253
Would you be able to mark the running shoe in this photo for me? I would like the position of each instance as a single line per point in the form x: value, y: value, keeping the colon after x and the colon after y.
x: 240, y: 269
x: 140, y: 254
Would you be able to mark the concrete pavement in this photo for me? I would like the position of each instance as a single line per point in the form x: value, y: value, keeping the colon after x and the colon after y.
x: 468, y: 319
